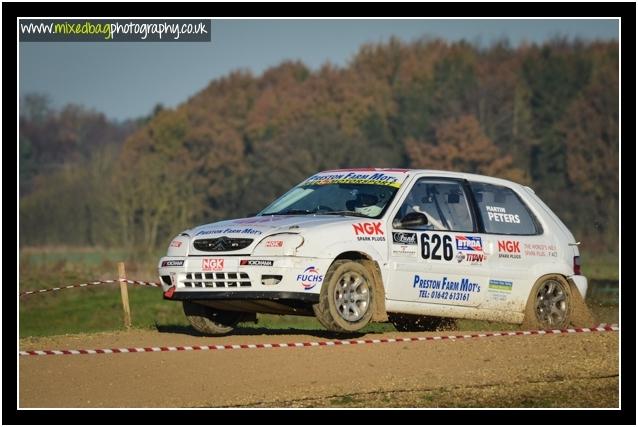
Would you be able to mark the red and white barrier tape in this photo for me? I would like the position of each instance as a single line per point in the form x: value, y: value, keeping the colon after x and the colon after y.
x: 98, y: 282
x: 606, y: 328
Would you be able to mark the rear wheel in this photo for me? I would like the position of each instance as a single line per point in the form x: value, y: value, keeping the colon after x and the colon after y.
x: 550, y: 304
x: 347, y: 297
x: 415, y: 323
x: 210, y: 321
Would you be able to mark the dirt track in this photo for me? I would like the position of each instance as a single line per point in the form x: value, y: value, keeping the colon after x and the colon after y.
x: 575, y: 370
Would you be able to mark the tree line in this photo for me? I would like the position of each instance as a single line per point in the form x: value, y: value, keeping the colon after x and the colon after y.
x: 543, y: 115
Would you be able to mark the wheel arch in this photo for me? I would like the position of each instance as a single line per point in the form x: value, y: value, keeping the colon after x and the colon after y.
x: 379, y: 314
x: 561, y: 269
x: 543, y: 269
x: 580, y: 315
x: 540, y: 271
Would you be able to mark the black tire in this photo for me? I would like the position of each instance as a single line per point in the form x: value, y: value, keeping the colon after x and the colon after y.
x: 416, y: 323
x: 340, y: 284
x: 209, y: 321
x: 550, y: 304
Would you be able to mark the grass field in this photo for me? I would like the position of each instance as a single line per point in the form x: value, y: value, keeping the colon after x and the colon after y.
x: 95, y: 309
x: 600, y: 266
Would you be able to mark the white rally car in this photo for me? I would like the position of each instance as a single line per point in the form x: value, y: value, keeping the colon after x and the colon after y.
x: 359, y: 245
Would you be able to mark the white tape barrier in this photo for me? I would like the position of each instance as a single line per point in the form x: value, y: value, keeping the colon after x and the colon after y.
x: 98, y: 282
x: 600, y: 328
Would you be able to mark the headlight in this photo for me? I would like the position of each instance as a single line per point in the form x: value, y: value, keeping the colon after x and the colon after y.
x: 283, y: 244
x: 179, y: 245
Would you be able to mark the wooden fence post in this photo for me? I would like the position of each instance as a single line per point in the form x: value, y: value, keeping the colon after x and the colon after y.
x: 124, y: 292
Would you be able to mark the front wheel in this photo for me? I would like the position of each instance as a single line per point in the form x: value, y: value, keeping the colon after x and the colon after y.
x: 209, y: 321
x: 347, y: 297
x: 550, y: 304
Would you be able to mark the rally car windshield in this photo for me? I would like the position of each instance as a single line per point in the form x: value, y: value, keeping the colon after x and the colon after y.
x: 363, y: 200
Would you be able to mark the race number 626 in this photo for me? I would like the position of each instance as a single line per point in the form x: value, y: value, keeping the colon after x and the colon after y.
x: 431, y: 247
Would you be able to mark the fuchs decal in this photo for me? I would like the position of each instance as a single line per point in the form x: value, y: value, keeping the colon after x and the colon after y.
x: 309, y: 278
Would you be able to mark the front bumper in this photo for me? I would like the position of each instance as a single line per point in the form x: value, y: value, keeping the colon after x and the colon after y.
x: 231, y: 277
x: 244, y: 295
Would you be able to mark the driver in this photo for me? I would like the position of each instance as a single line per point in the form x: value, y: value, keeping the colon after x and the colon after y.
x: 368, y: 204
x: 419, y: 201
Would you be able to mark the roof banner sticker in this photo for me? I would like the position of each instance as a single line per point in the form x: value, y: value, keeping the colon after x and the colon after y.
x: 374, y: 178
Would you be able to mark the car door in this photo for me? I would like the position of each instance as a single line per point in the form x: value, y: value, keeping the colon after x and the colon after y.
x: 442, y: 260
x: 510, y: 230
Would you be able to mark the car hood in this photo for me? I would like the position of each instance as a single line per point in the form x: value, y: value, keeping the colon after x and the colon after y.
x: 262, y: 226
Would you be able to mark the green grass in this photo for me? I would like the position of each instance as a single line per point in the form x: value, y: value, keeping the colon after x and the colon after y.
x: 97, y: 309
x: 96, y: 261
x: 600, y: 266
x: 89, y: 257
x: 91, y: 309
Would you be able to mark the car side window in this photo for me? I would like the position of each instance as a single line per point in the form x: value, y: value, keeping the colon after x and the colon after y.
x: 502, y: 211
x: 442, y: 202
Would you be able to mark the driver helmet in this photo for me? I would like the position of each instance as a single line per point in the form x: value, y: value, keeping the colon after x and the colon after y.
x: 368, y: 204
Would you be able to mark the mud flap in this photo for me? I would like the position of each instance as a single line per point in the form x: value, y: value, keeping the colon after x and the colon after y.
x: 582, y: 317
x: 379, y: 314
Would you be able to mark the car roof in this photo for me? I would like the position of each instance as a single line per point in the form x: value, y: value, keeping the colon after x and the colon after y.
x: 435, y: 172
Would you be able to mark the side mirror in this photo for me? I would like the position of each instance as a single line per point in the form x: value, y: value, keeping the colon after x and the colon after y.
x: 413, y: 219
